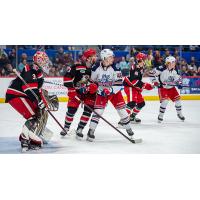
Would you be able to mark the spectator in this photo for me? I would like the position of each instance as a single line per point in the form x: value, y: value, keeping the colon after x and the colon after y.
x: 184, y: 63
x: 191, y: 71
x: 21, y: 65
x: 167, y: 54
x: 53, y: 72
x: 184, y: 71
x: 3, y: 62
x: 9, y: 70
x: 59, y: 58
x: 12, y: 57
x: 131, y: 62
x: 124, y: 67
x: 157, y: 59
x: 193, y: 47
x: 24, y: 56
x: 176, y: 53
x: 149, y: 62
x: 192, y: 65
x: 198, y: 72
x: 67, y: 59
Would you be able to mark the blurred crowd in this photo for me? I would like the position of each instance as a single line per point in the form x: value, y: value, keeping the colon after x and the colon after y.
x: 63, y: 58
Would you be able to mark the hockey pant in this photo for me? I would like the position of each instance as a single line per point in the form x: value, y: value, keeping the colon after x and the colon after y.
x: 119, y: 104
x: 135, y: 100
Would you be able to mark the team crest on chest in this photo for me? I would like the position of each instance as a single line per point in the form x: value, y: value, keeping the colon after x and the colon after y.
x: 136, y: 73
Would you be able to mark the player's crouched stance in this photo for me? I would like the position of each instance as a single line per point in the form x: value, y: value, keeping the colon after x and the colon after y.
x: 109, y: 81
x: 20, y: 97
x: 168, y: 79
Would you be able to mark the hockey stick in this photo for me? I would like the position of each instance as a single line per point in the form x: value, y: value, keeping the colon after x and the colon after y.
x: 54, y: 83
x: 92, y: 110
x: 33, y: 93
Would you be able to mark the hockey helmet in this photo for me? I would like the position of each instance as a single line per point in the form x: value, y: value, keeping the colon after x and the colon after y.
x: 88, y: 53
x: 40, y: 58
x: 170, y: 59
x: 105, y: 53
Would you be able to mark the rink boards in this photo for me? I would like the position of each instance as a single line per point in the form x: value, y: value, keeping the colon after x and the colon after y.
x: 59, y: 90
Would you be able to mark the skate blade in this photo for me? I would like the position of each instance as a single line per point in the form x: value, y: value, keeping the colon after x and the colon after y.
x: 90, y: 139
x: 132, y: 122
x: 79, y: 138
x: 120, y: 127
x: 24, y: 149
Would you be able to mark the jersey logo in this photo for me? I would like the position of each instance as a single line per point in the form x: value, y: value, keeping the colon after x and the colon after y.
x: 136, y: 73
x: 34, y: 76
x: 171, y: 79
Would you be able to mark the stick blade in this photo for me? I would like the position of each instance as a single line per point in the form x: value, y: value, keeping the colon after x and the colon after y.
x: 136, y: 140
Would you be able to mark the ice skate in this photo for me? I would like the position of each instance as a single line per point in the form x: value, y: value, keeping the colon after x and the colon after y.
x: 90, y: 135
x: 120, y: 125
x: 24, y: 142
x: 79, y: 134
x: 134, y: 119
x: 181, y: 117
x: 130, y: 132
x: 64, y: 133
x: 160, y: 119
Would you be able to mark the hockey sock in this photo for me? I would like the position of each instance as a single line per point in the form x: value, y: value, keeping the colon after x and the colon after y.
x: 138, y: 108
x: 178, y: 107
x: 130, y: 106
x: 125, y: 119
x: 95, y: 118
x: 84, y: 118
x: 69, y: 116
x: 163, y: 108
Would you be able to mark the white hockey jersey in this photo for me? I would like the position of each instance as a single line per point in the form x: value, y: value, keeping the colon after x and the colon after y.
x: 110, y: 78
x: 169, y: 78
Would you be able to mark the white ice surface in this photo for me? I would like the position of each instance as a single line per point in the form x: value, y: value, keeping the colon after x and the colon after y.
x: 171, y: 136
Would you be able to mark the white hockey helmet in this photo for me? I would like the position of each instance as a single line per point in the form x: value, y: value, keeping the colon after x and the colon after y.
x: 105, y: 53
x: 170, y: 59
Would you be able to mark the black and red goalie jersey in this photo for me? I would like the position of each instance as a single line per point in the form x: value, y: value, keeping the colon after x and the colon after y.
x: 33, y: 76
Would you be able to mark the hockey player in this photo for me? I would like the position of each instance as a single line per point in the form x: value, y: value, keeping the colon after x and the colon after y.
x: 168, y: 79
x: 109, y: 80
x: 77, y: 80
x: 19, y: 96
x: 133, y: 88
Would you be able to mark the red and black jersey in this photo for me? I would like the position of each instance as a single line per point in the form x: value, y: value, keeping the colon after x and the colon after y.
x: 135, y: 78
x: 77, y: 76
x: 33, y: 76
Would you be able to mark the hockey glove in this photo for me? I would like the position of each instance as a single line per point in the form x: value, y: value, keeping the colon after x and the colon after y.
x: 92, y: 88
x: 156, y: 84
x: 106, y: 92
x: 147, y: 86
x: 83, y: 90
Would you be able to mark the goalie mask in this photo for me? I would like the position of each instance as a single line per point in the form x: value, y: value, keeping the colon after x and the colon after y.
x: 41, y: 59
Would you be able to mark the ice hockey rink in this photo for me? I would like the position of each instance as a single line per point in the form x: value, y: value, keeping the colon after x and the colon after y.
x: 170, y: 137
